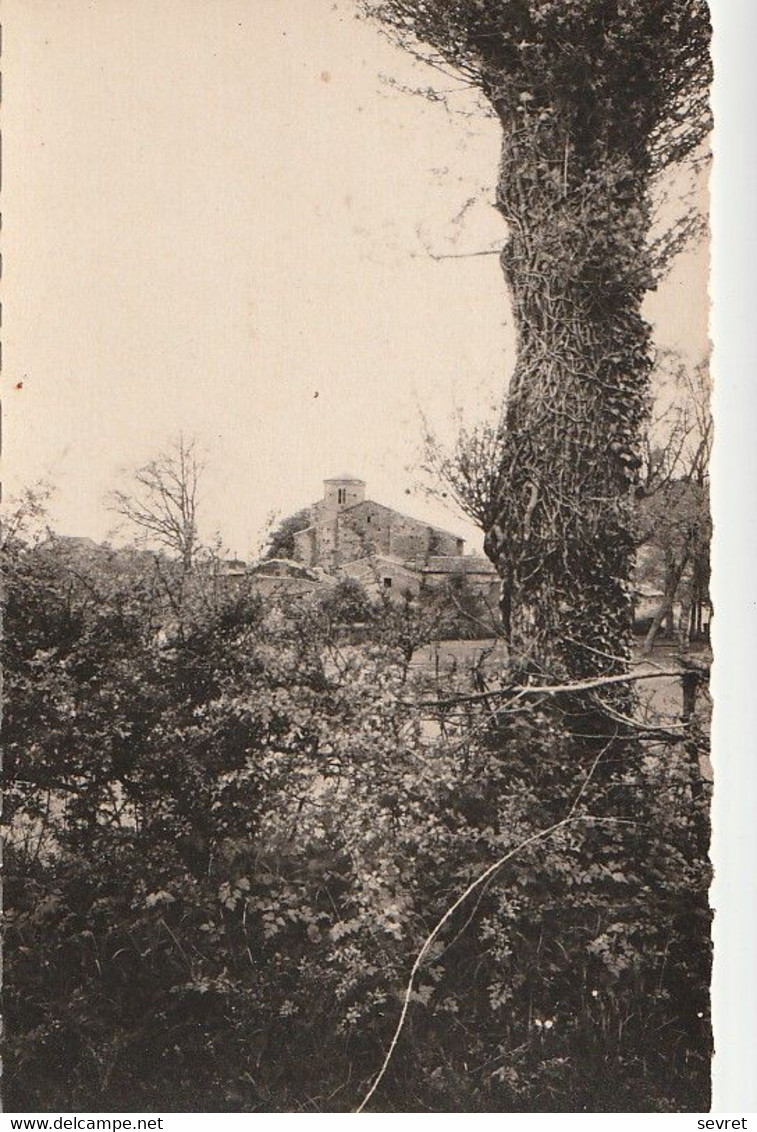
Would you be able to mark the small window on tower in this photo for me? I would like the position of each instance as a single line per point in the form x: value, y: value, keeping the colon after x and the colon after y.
x: 341, y: 495
x: 387, y: 583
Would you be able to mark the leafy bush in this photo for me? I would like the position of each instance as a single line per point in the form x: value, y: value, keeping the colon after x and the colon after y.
x: 461, y: 611
x: 227, y: 848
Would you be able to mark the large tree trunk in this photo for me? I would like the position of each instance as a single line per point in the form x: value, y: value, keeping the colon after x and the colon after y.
x: 575, y: 265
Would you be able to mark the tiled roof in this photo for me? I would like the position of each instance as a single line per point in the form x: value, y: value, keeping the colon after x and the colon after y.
x: 402, y: 515
x: 457, y: 564
x: 372, y: 559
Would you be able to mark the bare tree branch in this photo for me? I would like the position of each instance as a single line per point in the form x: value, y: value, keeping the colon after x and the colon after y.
x: 161, y: 504
x: 519, y: 692
x: 480, y: 880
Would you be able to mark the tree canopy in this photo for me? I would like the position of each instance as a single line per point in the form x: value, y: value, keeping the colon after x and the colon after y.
x: 281, y: 537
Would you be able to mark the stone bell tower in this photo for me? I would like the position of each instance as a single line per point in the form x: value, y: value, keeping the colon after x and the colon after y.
x: 342, y: 491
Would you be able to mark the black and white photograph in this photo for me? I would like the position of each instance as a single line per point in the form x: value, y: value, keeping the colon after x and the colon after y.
x: 356, y: 556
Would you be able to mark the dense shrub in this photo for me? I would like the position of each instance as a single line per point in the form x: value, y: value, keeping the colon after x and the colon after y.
x: 461, y: 611
x: 229, y: 842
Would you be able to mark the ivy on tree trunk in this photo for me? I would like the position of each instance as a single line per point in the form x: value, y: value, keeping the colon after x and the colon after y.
x: 575, y: 263
x: 597, y: 98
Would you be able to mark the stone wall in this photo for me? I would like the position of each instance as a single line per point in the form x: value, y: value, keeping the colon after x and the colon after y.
x: 271, y: 587
x: 413, y: 540
x: 342, y: 533
x: 305, y: 548
x: 373, y: 528
x: 383, y: 576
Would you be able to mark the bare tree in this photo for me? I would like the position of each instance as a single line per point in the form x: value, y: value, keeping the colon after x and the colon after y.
x: 673, y: 515
x: 161, y: 503
x: 468, y: 472
x: 678, y: 441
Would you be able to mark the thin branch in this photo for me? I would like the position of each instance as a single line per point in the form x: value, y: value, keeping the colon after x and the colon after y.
x: 463, y: 255
x: 480, y: 880
x: 550, y: 689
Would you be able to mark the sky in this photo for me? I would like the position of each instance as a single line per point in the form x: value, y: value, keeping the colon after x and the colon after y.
x: 217, y: 220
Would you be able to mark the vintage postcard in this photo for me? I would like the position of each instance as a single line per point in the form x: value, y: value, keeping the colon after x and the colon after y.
x: 356, y: 558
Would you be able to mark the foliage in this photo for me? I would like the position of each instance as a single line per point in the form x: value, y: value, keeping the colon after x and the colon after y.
x: 347, y: 603
x: 596, y: 100
x: 226, y: 848
x: 460, y: 610
x: 24, y: 520
x: 678, y: 440
x: 230, y: 834
x: 281, y: 538
x: 675, y: 529
x: 671, y: 522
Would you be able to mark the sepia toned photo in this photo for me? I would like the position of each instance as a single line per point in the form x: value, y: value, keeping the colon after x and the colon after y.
x: 355, y: 556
